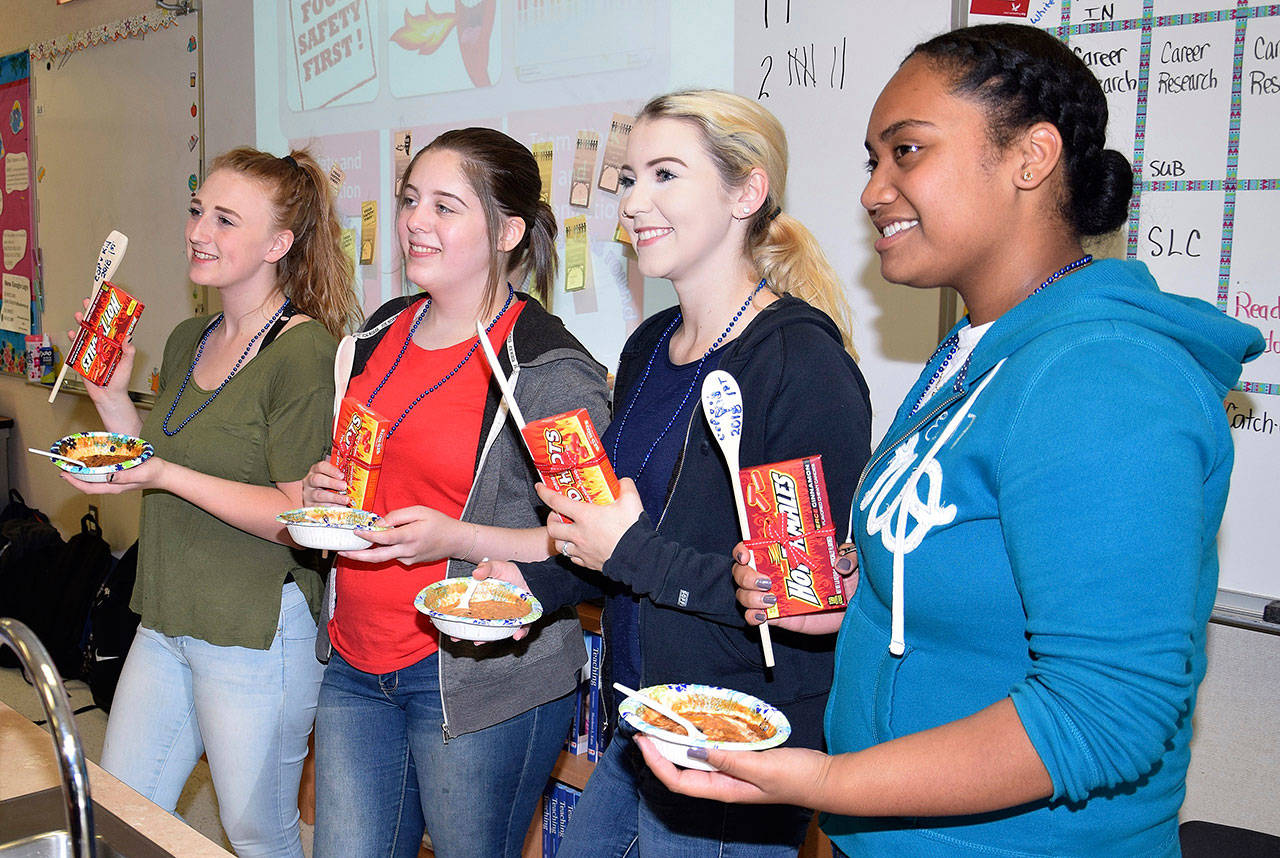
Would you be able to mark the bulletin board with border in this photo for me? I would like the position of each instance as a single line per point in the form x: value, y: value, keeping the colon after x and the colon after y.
x: 17, y: 316
x: 118, y: 146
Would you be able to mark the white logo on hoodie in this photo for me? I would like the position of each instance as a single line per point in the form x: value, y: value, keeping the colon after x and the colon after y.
x: 905, y: 518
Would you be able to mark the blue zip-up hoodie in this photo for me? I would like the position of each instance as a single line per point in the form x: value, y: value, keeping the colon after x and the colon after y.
x: 1051, y: 525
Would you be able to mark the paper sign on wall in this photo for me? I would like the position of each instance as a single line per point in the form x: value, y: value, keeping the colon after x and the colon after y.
x: 17, y: 170
x: 15, y: 247
x: 368, y: 230
x: 15, y: 312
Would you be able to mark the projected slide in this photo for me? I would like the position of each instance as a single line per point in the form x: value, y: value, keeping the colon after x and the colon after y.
x: 332, y: 53
x: 452, y: 47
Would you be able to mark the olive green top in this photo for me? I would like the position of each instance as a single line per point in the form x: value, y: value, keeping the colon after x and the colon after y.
x: 197, y: 575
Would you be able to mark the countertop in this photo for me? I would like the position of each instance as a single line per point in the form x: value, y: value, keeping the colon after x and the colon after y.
x: 27, y: 764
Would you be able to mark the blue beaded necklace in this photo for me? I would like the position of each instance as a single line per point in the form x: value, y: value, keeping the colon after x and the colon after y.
x: 952, y: 343
x: 422, y: 314
x: 697, y: 376
x: 191, y: 369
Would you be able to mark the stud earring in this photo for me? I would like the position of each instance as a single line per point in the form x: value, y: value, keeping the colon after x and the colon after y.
x: 1027, y: 176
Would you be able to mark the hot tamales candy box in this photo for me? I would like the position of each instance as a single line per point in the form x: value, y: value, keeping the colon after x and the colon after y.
x: 108, y: 324
x: 570, y: 458
x: 358, y: 440
x: 792, y: 536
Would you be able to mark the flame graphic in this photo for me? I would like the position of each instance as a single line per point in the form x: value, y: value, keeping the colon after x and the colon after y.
x: 424, y: 33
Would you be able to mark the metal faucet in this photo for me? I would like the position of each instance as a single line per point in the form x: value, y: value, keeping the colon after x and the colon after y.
x: 66, y: 739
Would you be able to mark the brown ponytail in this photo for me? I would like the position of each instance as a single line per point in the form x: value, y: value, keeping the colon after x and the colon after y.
x: 504, y: 175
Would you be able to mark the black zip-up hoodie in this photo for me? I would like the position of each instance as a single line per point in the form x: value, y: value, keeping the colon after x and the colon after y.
x: 802, y: 395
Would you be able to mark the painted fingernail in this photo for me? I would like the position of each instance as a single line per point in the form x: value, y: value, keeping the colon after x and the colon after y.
x: 760, y: 615
x: 762, y: 583
x: 844, y: 566
x: 770, y: 599
x: 696, y: 753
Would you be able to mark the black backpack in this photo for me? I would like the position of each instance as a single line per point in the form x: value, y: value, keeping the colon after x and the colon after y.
x: 29, y: 548
x: 81, y: 567
x: 110, y: 629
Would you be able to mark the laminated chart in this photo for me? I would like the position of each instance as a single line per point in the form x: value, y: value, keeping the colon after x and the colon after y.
x: 1194, y: 96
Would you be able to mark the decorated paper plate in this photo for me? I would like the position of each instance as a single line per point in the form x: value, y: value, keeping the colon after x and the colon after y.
x: 331, y: 528
x: 102, y: 454
x: 731, y: 720
x: 496, y: 609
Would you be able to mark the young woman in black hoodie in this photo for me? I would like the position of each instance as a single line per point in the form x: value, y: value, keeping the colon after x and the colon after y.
x: 701, y: 199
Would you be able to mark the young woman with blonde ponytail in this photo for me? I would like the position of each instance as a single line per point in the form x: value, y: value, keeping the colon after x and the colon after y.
x: 701, y: 200
x: 223, y: 663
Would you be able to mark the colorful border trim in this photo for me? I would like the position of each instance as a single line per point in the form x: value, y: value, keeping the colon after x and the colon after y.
x: 1231, y: 183
x: 129, y: 28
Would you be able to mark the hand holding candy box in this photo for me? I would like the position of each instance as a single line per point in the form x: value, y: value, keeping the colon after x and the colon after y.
x: 565, y: 447
x: 570, y: 458
x: 108, y: 324
x: 792, y: 537
x: 358, y: 438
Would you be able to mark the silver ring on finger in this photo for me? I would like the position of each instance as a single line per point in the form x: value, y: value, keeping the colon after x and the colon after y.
x: 567, y: 549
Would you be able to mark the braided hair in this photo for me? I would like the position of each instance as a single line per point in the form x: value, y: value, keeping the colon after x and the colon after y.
x: 1021, y: 76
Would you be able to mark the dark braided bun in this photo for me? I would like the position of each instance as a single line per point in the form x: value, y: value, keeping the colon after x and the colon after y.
x: 1022, y: 75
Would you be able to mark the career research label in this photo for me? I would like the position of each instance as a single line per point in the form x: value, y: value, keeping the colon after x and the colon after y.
x: 332, y: 49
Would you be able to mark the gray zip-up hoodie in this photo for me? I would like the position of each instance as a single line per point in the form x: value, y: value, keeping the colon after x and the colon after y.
x: 551, y: 373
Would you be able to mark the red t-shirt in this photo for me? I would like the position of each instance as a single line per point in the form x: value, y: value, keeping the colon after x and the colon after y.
x: 429, y: 460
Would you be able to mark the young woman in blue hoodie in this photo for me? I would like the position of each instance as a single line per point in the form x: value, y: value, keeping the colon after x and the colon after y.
x: 1017, y: 671
x: 703, y: 185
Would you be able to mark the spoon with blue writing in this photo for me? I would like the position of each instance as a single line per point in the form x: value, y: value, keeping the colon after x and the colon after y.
x: 722, y: 405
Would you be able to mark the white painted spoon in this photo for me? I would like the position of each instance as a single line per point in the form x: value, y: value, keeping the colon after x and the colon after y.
x: 722, y: 405
x: 342, y: 361
x: 76, y: 462
x: 109, y: 259
x: 465, y: 601
x: 663, y: 709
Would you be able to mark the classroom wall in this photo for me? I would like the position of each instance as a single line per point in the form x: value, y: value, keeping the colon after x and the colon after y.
x: 229, y: 112
x: 1236, y: 751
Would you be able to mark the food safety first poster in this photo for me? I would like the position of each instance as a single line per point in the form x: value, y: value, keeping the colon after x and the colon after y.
x: 16, y: 219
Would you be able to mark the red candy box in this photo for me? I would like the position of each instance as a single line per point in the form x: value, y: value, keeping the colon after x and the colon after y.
x: 358, y: 439
x: 792, y: 538
x: 570, y: 458
x: 108, y: 325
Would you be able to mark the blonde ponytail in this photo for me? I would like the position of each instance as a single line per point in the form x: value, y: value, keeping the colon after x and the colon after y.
x: 791, y: 260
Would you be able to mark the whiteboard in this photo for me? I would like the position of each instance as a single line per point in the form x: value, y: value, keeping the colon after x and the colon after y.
x: 1194, y: 95
x: 816, y: 67
x: 117, y: 147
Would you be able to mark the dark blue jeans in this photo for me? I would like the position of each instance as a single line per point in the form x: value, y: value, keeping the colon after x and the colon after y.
x: 626, y: 811
x: 383, y: 769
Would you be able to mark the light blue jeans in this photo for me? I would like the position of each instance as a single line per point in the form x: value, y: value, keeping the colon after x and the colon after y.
x: 626, y: 812
x: 384, y: 770
x: 249, y: 710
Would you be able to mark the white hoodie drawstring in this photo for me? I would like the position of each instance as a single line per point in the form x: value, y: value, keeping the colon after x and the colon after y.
x: 897, y: 632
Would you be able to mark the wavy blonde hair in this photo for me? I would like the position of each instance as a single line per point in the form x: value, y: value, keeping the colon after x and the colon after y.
x: 739, y: 135
x: 315, y: 275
